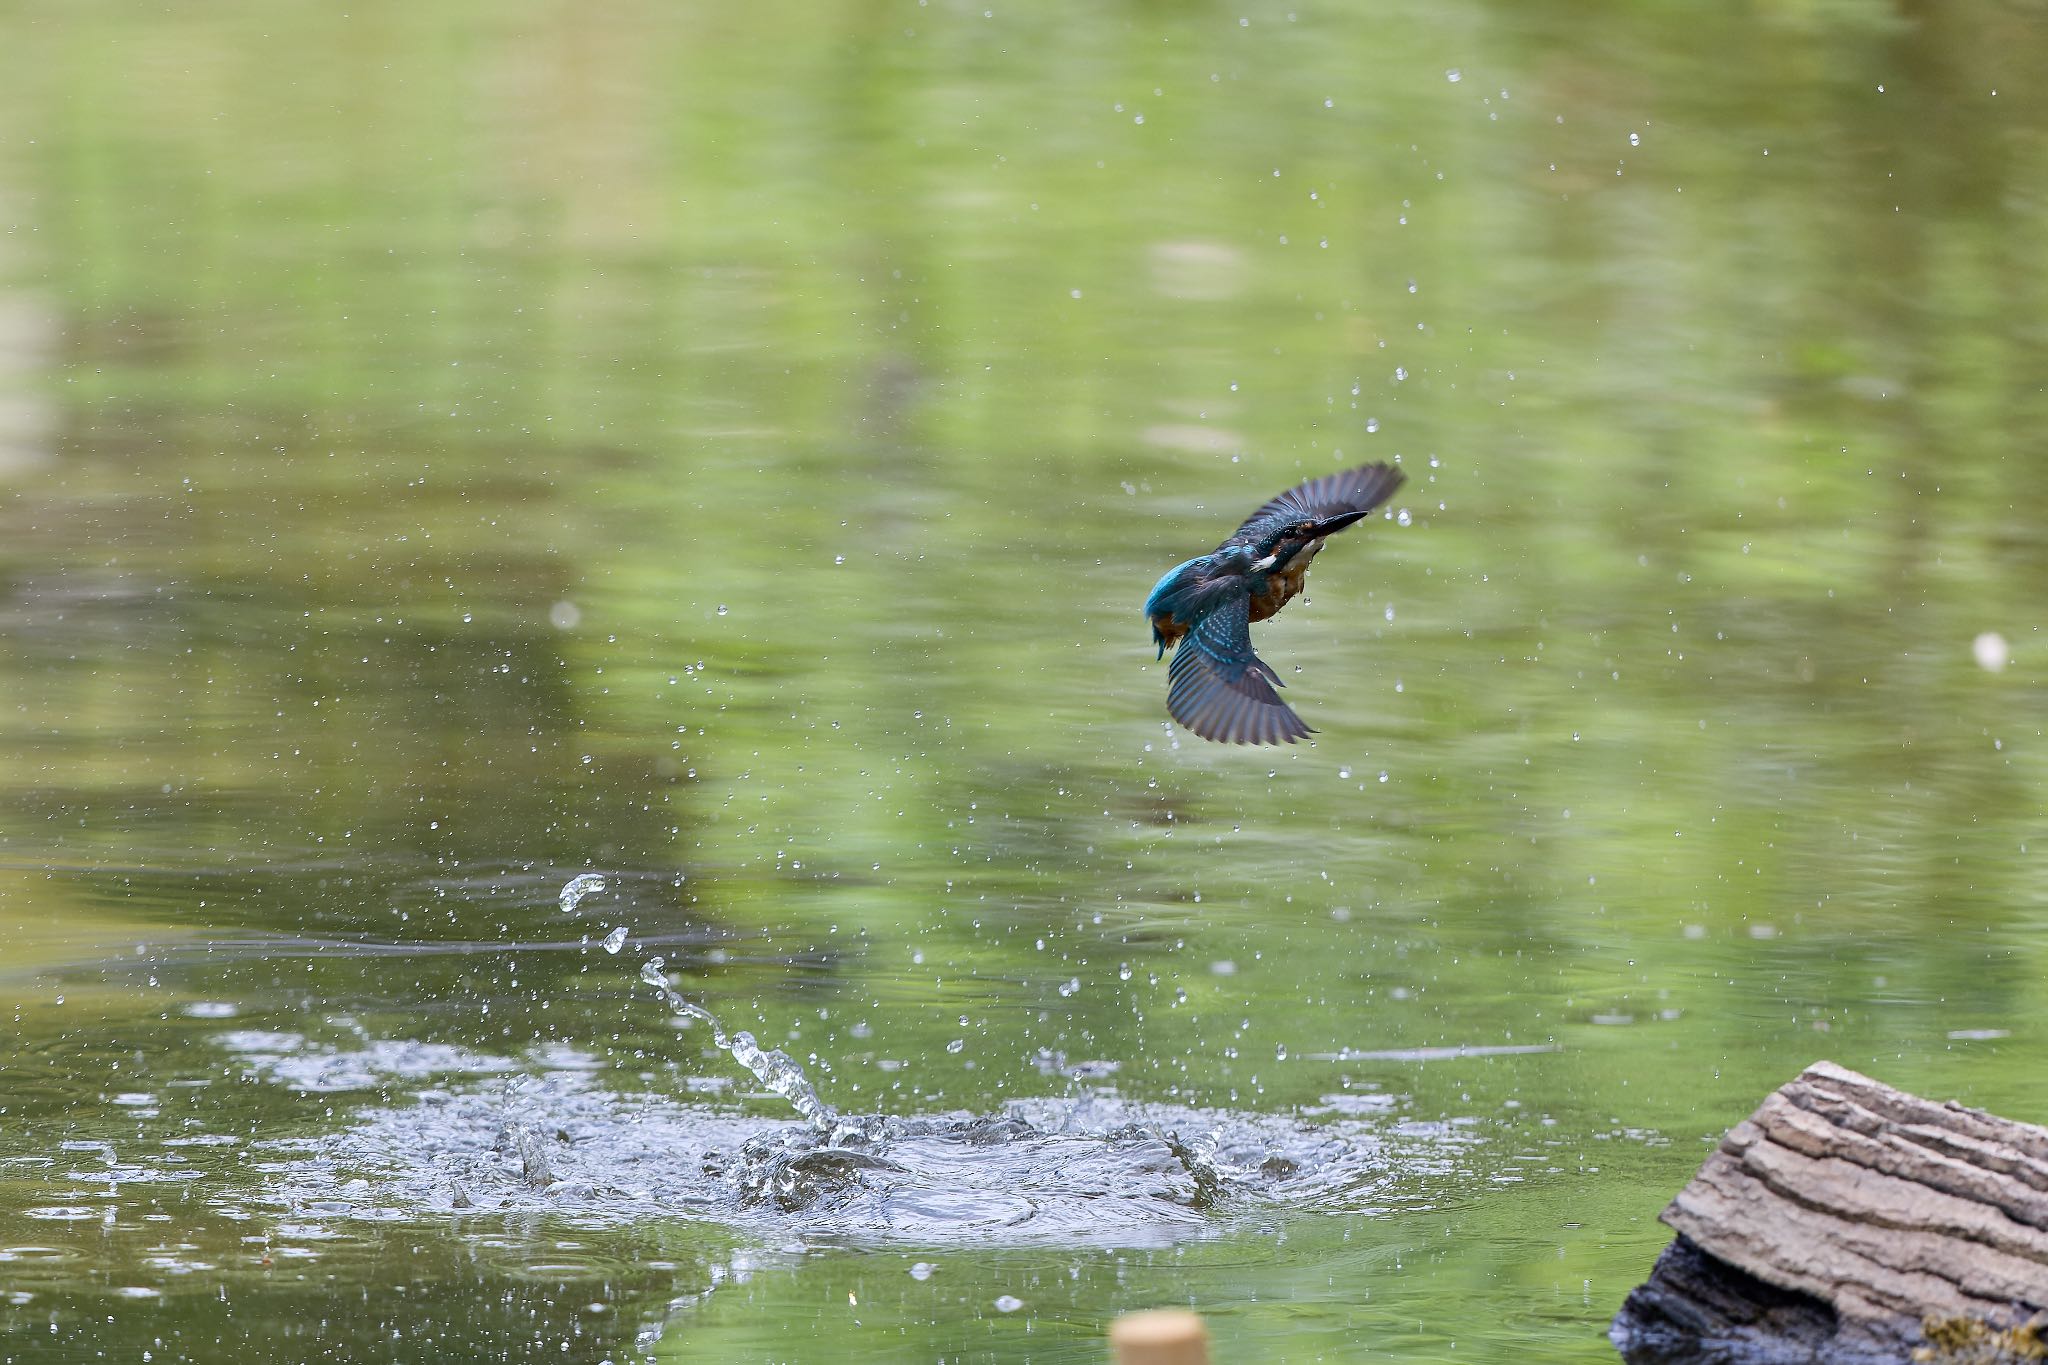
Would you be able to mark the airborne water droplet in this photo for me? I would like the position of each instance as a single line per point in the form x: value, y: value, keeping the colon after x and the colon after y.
x: 615, y: 940
x: 579, y: 886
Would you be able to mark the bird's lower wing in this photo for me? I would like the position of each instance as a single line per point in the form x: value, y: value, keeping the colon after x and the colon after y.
x: 1219, y: 689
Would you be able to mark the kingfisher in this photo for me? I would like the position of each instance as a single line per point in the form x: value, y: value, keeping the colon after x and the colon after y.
x: 1216, y: 686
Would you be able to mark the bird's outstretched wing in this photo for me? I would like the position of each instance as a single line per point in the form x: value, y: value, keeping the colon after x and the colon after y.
x: 1219, y: 689
x: 1348, y: 490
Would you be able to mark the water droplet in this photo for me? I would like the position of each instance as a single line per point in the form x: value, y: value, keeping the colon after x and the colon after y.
x: 1371, y: 423
x: 615, y: 940
x: 1454, y: 75
x: 957, y: 1045
x: 1008, y: 1303
x: 922, y: 1270
x: 579, y: 886
x: 1634, y: 141
x: 1401, y: 518
x: 722, y: 608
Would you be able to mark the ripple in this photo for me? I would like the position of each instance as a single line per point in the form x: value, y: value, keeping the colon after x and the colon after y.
x: 315, y: 1068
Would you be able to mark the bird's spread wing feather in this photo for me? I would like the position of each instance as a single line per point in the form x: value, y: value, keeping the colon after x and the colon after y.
x: 1221, y: 690
x: 1348, y: 490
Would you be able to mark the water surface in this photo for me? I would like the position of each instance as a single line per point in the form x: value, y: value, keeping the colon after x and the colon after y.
x: 446, y: 450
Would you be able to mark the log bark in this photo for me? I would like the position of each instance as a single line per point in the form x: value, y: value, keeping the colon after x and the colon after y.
x: 1845, y: 1221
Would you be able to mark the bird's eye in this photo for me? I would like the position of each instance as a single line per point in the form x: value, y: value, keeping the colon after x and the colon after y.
x: 1305, y: 528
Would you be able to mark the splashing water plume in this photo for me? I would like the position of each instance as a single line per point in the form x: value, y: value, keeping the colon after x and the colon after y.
x: 773, y: 1067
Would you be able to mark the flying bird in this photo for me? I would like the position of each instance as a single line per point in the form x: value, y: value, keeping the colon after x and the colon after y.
x: 1203, y: 609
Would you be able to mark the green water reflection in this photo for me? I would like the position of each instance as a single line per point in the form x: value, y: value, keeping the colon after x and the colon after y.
x: 444, y: 448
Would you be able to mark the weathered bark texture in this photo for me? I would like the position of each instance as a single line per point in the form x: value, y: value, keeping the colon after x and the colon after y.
x: 1848, y: 1221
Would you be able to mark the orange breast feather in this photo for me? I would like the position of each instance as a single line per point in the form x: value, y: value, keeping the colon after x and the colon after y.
x: 1280, y: 589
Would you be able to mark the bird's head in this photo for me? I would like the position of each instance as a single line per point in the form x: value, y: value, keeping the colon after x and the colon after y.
x: 1283, y: 543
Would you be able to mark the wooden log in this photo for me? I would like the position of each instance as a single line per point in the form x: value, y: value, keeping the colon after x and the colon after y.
x: 1845, y: 1221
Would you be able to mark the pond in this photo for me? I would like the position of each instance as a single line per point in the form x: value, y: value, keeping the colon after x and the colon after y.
x: 455, y: 455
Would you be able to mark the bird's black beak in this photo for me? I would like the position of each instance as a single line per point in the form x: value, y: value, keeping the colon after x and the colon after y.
x: 1337, y: 523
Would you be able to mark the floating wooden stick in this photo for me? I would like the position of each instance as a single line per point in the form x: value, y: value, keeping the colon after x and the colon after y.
x: 1848, y: 1221
x: 1159, y: 1336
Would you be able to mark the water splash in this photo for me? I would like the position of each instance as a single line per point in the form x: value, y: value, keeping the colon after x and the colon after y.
x: 581, y: 885
x: 773, y: 1067
x: 615, y: 940
x: 1093, y: 1170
